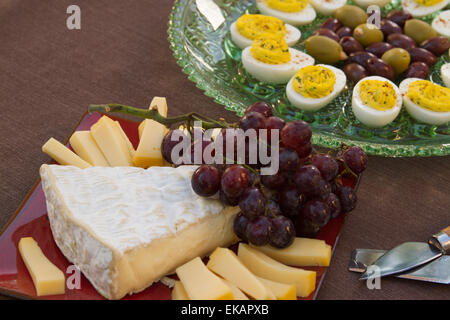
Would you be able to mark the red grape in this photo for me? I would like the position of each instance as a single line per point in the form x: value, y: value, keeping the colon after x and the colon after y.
x: 240, y: 225
x: 274, y: 181
x: 317, y: 212
x: 260, y: 107
x: 167, y: 145
x: 296, y: 134
x: 291, y: 201
x: 334, y: 204
x: 288, y: 160
x: 253, y: 120
x: 206, y: 181
x: 306, y: 228
x: 347, y: 197
x: 234, y: 181
x: 356, y: 159
x: 283, y: 232
x: 327, y: 166
x: 228, y: 201
x: 274, y: 123
x: 252, y: 203
x: 304, y: 150
x: 307, y: 179
x: 258, y: 231
x: 273, y: 209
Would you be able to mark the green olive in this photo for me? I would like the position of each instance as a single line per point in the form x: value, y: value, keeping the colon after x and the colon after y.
x: 398, y: 58
x: 419, y: 30
x: 367, y: 34
x: 324, y: 49
x: 351, y: 16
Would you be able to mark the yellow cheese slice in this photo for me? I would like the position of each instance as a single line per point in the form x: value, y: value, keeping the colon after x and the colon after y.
x: 303, y: 252
x: 281, y: 291
x: 178, y: 292
x: 111, y: 143
x: 63, y: 155
x: 265, y: 267
x: 47, y: 278
x: 202, y: 284
x: 226, y: 264
x: 86, y: 147
x: 152, y: 133
x: 126, y: 139
x: 237, y: 294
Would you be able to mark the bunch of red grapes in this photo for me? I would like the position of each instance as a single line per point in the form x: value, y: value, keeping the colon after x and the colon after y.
x: 298, y: 200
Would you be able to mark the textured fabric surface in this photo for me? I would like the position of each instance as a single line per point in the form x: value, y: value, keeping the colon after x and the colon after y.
x: 49, y: 75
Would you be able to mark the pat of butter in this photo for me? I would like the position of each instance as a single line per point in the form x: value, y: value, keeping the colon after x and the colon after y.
x: 303, y: 252
x: 151, y: 135
x: 111, y: 143
x: 63, y: 155
x: 226, y: 264
x: 178, y: 292
x: 47, y: 278
x: 281, y: 291
x: 265, y: 267
x: 202, y: 284
x: 86, y: 147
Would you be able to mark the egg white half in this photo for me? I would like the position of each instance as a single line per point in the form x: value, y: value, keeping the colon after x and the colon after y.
x: 421, y: 114
x: 372, y: 117
x: 327, y: 7
x: 445, y: 74
x: 275, y: 73
x: 305, y: 16
x: 417, y: 10
x: 442, y: 23
x: 366, y: 3
x: 311, y: 104
x: 292, y: 36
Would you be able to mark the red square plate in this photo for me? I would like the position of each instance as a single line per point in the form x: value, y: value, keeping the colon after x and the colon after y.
x: 31, y: 220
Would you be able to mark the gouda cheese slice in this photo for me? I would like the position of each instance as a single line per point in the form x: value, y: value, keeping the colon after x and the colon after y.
x: 86, y: 147
x: 47, y: 278
x: 63, y: 155
x: 202, y: 284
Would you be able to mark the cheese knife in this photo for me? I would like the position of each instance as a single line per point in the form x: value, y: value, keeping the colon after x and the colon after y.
x: 409, y: 255
x: 436, y: 271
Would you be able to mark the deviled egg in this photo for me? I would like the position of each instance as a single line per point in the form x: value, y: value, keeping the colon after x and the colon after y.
x: 313, y: 87
x: 426, y: 101
x: 327, y: 7
x: 245, y: 29
x: 422, y: 8
x: 441, y: 24
x: 376, y: 101
x: 445, y: 74
x: 366, y: 3
x: 294, y: 12
x: 270, y: 60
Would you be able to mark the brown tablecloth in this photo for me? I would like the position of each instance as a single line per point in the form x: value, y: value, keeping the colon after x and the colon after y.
x: 49, y: 75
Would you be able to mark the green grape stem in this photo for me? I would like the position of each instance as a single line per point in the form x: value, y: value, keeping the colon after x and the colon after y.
x: 153, y: 114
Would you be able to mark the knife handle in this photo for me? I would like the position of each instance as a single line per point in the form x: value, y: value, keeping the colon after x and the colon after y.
x: 442, y: 240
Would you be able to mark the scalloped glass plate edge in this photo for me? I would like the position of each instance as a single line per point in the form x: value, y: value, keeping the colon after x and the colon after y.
x: 321, y: 139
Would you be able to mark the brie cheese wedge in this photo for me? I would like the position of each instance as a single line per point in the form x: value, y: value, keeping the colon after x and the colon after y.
x: 127, y: 227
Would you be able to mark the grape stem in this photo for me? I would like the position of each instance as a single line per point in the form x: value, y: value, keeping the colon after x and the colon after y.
x: 153, y: 114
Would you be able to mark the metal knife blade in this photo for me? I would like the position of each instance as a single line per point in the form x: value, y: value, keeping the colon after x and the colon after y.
x: 437, y: 271
x: 409, y: 255
x: 404, y: 257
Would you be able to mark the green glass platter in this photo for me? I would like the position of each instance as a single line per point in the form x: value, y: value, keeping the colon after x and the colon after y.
x: 212, y: 61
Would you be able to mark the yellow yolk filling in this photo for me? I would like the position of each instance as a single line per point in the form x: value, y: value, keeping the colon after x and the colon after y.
x: 377, y: 94
x: 253, y: 25
x: 430, y: 96
x: 427, y: 3
x: 270, y: 49
x: 314, y: 82
x: 290, y: 5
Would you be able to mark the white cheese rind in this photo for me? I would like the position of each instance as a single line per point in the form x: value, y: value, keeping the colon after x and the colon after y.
x: 127, y: 227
